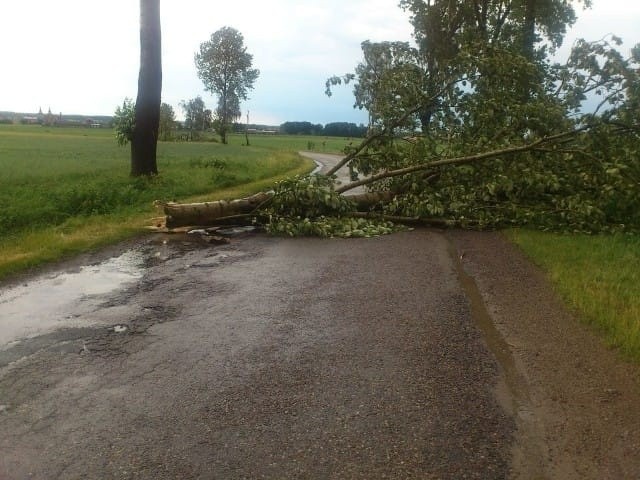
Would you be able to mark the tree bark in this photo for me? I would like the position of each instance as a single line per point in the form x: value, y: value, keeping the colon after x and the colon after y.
x: 207, y: 213
x: 529, y: 30
x: 145, y: 136
x: 211, y: 213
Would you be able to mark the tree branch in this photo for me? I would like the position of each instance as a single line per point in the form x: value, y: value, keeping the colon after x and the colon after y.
x: 386, y: 130
x: 463, y: 160
x: 369, y: 140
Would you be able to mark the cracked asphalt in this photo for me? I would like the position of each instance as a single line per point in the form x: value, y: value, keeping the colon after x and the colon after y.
x: 267, y: 358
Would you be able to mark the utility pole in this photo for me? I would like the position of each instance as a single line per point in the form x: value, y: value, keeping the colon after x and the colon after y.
x: 246, y: 130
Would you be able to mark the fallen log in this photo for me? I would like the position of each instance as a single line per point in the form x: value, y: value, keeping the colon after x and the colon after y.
x: 231, y: 211
x: 208, y: 213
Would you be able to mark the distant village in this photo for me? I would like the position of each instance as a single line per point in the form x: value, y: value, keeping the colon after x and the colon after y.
x: 50, y: 119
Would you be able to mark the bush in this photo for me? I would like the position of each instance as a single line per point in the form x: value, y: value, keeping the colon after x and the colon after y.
x: 124, y: 121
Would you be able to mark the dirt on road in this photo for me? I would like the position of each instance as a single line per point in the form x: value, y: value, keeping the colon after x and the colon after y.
x: 423, y: 354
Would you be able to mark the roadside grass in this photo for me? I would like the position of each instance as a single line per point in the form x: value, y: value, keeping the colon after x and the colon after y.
x: 64, y: 191
x: 597, y: 276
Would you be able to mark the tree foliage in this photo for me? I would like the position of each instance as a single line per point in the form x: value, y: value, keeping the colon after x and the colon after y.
x: 224, y: 66
x: 508, y: 137
x: 301, y: 128
x: 167, y: 122
x: 124, y: 121
x: 197, y: 117
x: 310, y: 206
x: 333, y: 129
x: 478, y: 127
x: 344, y: 129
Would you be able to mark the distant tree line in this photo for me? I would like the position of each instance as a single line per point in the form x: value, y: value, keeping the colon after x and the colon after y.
x: 335, y: 129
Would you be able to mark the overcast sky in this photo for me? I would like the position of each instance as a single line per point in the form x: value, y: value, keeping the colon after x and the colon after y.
x: 81, y: 56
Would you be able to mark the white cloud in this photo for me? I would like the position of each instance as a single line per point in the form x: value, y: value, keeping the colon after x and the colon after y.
x: 619, y: 17
x: 80, y: 56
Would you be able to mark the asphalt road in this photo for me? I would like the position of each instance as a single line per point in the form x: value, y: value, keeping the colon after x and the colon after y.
x: 268, y: 358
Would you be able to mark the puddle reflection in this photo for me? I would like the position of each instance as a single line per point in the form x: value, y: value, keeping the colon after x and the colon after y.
x: 59, y: 300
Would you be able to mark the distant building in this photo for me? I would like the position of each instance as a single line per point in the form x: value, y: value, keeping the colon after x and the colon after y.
x: 91, y: 123
x: 30, y: 120
x: 260, y: 131
x: 49, y: 118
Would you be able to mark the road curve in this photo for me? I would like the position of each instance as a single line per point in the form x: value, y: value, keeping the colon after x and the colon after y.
x: 328, y: 160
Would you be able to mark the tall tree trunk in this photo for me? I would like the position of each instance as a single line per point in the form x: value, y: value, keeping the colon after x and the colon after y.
x: 145, y: 137
x: 223, y: 118
x: 529, y: 45
x: 529, y: 29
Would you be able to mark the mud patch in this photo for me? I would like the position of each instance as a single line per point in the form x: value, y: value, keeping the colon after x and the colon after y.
x: 586, y: 396
x: 512, y: 392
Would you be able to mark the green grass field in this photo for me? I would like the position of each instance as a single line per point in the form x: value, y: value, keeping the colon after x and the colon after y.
x: 296, y: 143
x: 598, y: 277
x: 65, y: 190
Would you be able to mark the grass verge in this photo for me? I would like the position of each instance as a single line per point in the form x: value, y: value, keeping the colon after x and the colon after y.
x: 29, y: 249
x: 597, y: 276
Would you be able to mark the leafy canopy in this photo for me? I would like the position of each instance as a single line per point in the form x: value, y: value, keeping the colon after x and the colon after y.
x: 479, y: 127
x: 196, y: 115
x: 167, y: 122
x: 224, y: 66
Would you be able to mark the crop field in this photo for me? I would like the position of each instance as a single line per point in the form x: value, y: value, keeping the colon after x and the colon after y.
x: 58, y: 182
x: 296, y: 143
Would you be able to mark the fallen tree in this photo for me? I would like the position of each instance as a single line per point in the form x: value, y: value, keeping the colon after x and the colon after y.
x: 492, y: 137
x: 210, y: 213
x: 296, y: 204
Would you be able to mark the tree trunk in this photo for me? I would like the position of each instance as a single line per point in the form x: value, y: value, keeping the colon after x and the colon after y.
x: 223, y: 117
x: 223, y: 133
x: 208, y: 213
x: 145, y: 136
x: 529, y: 30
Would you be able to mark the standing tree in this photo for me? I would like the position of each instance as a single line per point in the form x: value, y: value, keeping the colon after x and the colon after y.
x: 147, y: 109
x: 224, y: 66
x: 197, y: 117
x: 167, y: 121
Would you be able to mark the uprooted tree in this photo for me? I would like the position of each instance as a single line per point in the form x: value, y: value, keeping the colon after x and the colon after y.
x: 475, y: 127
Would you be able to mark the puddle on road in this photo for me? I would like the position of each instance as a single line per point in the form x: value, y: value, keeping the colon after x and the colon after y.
x: 512, y: 392
x: 58, y: 300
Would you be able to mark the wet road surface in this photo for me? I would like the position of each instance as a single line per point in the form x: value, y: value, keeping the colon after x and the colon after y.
x: 417, y: 355
x: 267, y: 358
